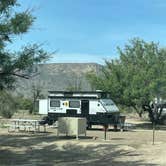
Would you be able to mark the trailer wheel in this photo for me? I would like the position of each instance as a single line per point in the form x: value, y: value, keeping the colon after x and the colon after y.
x: 89, y: 126
x: 50, y: 122
x: 43, y: 120
x: 164, y: 121
x: 115, y: 127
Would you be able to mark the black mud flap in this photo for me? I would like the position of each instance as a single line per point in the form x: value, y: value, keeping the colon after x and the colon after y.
x: 46, y: 120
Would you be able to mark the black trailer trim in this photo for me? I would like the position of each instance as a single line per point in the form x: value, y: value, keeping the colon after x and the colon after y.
x: 98, y: 119
x: 72, y: 97
x: 78, y: 92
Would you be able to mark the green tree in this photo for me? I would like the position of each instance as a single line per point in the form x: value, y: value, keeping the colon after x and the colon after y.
x: 15, y: 64
x: 136, y: 77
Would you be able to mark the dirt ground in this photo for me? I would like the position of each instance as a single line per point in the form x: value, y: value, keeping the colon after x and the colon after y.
x: 129, y: 148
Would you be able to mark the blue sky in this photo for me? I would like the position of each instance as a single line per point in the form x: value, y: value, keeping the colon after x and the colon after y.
x: 90, y: 30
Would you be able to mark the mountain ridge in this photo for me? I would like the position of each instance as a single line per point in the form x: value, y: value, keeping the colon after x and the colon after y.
x: 58, y: 76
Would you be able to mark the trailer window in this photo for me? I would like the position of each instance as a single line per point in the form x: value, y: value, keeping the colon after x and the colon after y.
x: 54, y: 103
x: 109, y: 105
x: 74, y: 104
x: 107, y: 102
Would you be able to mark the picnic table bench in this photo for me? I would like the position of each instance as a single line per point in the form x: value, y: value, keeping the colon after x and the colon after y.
x: 25, y: 125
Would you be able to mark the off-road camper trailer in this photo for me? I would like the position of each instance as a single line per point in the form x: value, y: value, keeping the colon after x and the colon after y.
x: 96, y: 106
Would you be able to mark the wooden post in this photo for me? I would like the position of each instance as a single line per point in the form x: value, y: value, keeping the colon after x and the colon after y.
x: 154, y: 126
x: 105, y: 131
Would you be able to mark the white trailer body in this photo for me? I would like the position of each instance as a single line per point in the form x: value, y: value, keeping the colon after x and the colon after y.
x: 97, y: 107
x: 59, y: 105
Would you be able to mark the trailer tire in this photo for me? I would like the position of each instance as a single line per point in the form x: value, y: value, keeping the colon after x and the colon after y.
x: 164, y: 121
x: 115, y: 127
x: 50, y: 122
x: 46, y: 120
x: 89, y: 126
x: 43, y: 120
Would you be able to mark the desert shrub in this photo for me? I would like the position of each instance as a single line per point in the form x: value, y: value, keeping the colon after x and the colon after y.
x: 7, y: 113
x: 125, y: 109
x: 7, y: 104
x: 23, y: 103
x: 34, y: 108
x: 27, y: 104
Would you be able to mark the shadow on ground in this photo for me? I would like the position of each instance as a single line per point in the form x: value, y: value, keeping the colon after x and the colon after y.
x: 45, y: 150
x: 149, y: 126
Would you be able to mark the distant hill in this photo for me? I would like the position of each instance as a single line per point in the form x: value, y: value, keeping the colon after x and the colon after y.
x: 58, y: 76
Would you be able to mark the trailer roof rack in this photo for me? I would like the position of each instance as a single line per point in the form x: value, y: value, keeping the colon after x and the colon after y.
x: 78, y: 94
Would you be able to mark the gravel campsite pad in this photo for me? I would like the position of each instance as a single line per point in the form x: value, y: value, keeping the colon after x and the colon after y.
x: 128, y: 148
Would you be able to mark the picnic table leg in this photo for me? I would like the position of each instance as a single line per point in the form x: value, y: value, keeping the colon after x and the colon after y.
x: 28, y: 129
x: 35, y: 126
x: 57, y: 132
x: 15, y: 123
x: 38, y: 127
x: 18, y: 126
x: 9, y: 129
x: 44, y: 128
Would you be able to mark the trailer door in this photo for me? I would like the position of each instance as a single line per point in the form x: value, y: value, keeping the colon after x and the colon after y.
x: 43, y: 106
x: 84, y: 108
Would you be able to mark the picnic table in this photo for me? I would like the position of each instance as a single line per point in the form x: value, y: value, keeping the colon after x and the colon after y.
x: 25, y: 125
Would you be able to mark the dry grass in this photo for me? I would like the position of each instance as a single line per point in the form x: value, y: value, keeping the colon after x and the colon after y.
x: 128, y: 148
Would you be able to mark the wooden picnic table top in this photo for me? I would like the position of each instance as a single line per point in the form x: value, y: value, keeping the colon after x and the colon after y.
x: 26, y: 124
x: 25, y: 120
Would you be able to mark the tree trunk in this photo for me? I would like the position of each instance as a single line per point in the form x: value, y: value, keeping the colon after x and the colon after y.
x: 138, y: 111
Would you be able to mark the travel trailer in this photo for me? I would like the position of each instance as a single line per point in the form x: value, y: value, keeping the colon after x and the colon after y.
x: 96, y: 106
